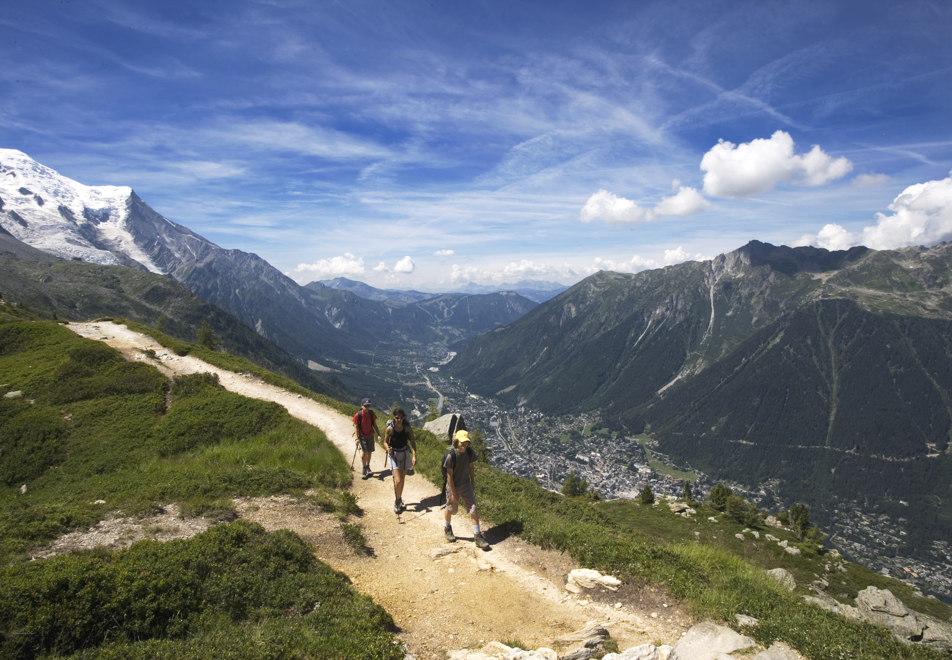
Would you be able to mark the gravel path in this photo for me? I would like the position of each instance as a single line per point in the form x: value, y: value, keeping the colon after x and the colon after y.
x: 464, y: 599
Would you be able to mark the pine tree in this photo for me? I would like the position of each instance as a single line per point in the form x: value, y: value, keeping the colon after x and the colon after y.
x: 687, y: 496
x: 570, y: 487
x: 206, y: 336
x: 646, y: 496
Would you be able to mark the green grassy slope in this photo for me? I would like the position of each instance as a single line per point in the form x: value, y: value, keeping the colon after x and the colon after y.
x: 90, y: 427
x: 74, y: 290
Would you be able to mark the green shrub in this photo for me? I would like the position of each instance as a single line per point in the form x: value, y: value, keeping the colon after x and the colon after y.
x: 646, y: 496
x: 156, y: 598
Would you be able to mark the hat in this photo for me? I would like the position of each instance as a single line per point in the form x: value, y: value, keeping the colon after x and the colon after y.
x: 461, y: 436
x: 365, y: 402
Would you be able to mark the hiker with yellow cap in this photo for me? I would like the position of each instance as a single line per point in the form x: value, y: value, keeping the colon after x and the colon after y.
x: 460, y: 476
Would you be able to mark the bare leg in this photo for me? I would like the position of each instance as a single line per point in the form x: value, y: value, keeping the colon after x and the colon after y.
x: 398, y: 478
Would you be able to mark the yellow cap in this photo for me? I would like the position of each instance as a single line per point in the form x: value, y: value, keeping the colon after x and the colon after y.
x: 461, y: 436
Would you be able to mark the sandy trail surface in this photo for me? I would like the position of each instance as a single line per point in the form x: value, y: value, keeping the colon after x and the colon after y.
x: 514, y: 592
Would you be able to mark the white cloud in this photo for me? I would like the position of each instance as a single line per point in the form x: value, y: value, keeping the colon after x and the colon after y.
x: 615, y: 210
x: 638, y: 263
x: 345, y: 265
x: 688, y: 201
x: 444, y: 253
x: 612, y: 209
x: 871, y: 180
x: 405, y: 265
x: 922, y: 215
x: 759, y: 165
x: 381, y: 267
x: 513, y: 271
x: 633, y: 265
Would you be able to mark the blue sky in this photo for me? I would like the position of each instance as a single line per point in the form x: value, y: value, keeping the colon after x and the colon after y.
x: 423, y: 144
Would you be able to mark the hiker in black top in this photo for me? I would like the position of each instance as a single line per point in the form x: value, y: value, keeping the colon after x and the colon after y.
x: 400, y: 446
x: 460, y: 477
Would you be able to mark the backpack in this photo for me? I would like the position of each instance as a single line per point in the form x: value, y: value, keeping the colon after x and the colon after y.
x: 360, y: 418
x: 456, y: 424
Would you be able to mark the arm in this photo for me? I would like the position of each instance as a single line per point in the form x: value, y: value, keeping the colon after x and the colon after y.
x: 386, y: 441
x: 412, y: 444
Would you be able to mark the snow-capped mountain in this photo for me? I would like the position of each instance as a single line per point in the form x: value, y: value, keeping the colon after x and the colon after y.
x: 112, y: 225
x: 101, y: 224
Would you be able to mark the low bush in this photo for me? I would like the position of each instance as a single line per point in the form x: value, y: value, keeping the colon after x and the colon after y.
x: 163, y: 599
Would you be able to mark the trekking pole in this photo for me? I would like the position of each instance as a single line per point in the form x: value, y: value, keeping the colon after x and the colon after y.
x: 354, y: 458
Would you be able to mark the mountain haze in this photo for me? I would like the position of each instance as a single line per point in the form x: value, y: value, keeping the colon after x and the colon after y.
x: 320, y: 325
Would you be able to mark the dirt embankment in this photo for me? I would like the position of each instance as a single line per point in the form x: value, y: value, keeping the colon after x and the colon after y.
x: 513, y: 592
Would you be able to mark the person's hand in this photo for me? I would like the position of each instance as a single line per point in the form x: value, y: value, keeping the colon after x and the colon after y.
x: 413, y: 462
x: 452, y: 499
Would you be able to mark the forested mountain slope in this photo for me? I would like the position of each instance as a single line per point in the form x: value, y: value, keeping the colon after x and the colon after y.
x: 826, y: 373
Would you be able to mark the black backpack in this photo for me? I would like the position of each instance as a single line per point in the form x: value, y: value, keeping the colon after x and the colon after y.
x: 456, y: 424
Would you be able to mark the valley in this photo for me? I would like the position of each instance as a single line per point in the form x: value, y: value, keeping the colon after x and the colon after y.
x: 531, y: 444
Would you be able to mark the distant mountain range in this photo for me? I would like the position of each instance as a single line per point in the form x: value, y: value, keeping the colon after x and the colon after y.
x: 318, y: 325
x: 828, y: 373
x: 67, y: 289
x: 537, y: 291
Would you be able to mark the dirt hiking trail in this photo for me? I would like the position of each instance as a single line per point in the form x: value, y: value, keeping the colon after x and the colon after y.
x: 514, y: 592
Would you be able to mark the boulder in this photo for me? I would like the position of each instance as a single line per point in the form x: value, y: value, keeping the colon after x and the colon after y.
x: 592, y: 634
x: 708, y: 641
x: 784, y: 577
x: 777, y: 651
x: 880, y: 607
x: 587, y: 578
x: 440, y: 427
x: 643, y: 652
x: 938, y: 633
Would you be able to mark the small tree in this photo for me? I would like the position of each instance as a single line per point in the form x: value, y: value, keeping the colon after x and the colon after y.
x: 432, y: 413
x: 798, y: 517
x: 647, y: 495
x: 570, y: 486
x: 206, y: 336
x: 687, y: 495
x: 719, y: 495
x: 742, y: 511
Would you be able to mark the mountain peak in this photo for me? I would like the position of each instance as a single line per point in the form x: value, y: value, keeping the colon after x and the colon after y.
x: 793, y: 260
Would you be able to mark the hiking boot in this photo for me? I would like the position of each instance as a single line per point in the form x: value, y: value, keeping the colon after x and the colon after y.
x: 396, y: 507
x: 403, y: 507
x: 448, y: 535
x: 366, y: 474
x: 481, y: 542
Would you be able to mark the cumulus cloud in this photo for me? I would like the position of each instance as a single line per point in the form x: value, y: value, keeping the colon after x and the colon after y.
x: 347, y: 264
x: 871, y: 180
x: 638, y: 263
x: 759, y: 165
x: 381, y: 267
x: 688, y: 201
x: 616, y: 210
x: 405, y: 265
x: 921, y: 215
x: 444, y: 253
x: 612, y: 209
x: 514, y: 271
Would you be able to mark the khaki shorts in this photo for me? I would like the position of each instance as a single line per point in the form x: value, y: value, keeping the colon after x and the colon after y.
x: 367, y: 443
x: 466, y: 495
x: 400, y: 460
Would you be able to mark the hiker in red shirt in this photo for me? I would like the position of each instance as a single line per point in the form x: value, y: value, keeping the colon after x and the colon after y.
x: 365, y: 428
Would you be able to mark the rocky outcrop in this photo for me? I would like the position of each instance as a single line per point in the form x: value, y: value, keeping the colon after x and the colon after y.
x: 705, y: 641
x: 881, y: 608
